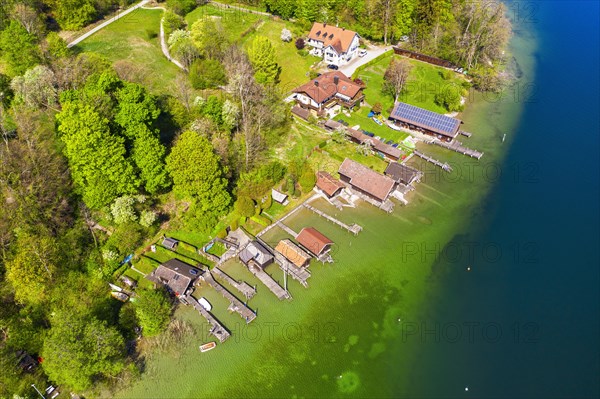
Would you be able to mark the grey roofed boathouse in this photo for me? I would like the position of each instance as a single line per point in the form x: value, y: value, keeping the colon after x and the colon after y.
x: 175, y: 275
x: 402, y: 173
x: 430, y: 122
x: 257, y: 253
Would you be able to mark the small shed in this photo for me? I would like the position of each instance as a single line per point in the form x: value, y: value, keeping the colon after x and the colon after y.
x: 176, y: 275
x: 301, y: 112
x: 330, y: 124
x: 293, y: 253
x: 170, y: 243
x: 313, y: 240
x: 279, y: 197
x: 257, y: 253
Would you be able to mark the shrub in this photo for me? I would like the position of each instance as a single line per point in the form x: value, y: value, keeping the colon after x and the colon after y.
x: 147, y: 218
x: 377, y: 108
x: 300, y: 43
x: 151, y: 34
x: 449, y: 98
x: 234, y: 225
x: 172, y: 22
x: 181, y: 7
x: 244, y: 206
x: 446, y: 74
x: 206, y: 74
x: 302, y: 53
x: 286, y: 35
x: 122, y: 210
x: 307, y: 180
x: 222, y: 234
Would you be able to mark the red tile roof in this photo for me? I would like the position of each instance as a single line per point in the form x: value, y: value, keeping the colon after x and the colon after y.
x: 338, y: 38
x: 324, y: 87
x: 328, y: 184
x: 367, y: 180
x: 311, y: 239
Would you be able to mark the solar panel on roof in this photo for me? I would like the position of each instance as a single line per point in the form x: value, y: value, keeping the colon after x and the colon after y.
x: 425, y: 118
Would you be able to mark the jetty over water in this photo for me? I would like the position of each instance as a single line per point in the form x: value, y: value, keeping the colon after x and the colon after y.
x: 457, y: 146
x: 269, y: 282
x: 216, y: 328
x: 235, y: 304
x: 246, y: 289
x: 434, y: 161
x: 354, y: 228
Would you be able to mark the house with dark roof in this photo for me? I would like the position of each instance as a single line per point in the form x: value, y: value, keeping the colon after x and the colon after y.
x: 366, y: 181
x: 293, y: 253
x: 256, y: 253
x: 176, y: 275
x: 329, y: 92
x: 170, y: 243
x: 301, y: 112
x: 313, y: 240
x: 440, y: 126
x: 336, y: 45
x: 329, y: 185
x: 402, y: 174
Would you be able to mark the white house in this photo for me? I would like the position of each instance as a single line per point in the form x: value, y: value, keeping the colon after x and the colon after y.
x: 336, y: 45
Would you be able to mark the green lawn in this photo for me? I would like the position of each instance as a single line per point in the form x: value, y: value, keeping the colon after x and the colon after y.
x: 128, y: 45
x: 424, y: 82
x: 242, y: 27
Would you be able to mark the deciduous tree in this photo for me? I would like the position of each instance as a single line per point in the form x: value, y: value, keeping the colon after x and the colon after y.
x: 261, y: 54
x: 18, y: 48
x: 396, y: 76
x: 153, y: 311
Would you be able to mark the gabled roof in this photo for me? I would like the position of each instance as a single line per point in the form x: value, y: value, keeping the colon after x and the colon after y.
x: 255, y: 251
x: 367, y: 180
x: 402, y: 173
x: 387, y: 149
x: 293, y: 252
x: 170, y: 242
x: 301, y: 112
x: 425, y: 119
x: 175, y: 274
x: 311, y: 239
x: 278, y: 196
x: 325, y: 87
x: 338, y: 38
x: 328, y: 184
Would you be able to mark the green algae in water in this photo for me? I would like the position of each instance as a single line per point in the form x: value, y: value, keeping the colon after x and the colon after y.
x: 348, y: 382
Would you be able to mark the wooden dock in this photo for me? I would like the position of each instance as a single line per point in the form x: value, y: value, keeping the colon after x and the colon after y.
x: 457, y: 146
x: 463, y: 133
x: 243, y: 287
x: 269, y: 282
x: 216, y: 328
x: 235, y: 305
x: 285, y: 228
x: 434, y: 161
x: 354, y: 228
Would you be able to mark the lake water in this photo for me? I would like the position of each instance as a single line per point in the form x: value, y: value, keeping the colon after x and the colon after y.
x: 399, y: 314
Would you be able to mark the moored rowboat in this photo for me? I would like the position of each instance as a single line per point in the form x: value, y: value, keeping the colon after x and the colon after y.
x: 207, y: 347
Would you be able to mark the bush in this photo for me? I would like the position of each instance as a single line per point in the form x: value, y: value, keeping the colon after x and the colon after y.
x: 147, y: 218
x: 446, y: 74
x: 302, y: 53
x: 449, y: 98
x: 244, y: 206
x: 151, y: 34
x: 172, y: 22
x: 222, y: 234
x: 234, y: 225
x: 377, y: 108
x: 181, y: 7
x: 153, y: 311
x: 206, y: 74
x: 300, y: 43
x: 286, y: 35
x: 308, y: 180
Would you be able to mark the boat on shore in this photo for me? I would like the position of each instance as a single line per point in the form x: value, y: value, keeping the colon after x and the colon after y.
x: 120, y: 296
x: 205, y: 304
x: 208, y: 346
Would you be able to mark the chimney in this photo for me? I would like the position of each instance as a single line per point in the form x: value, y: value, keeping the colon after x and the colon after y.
x: 317, y: 83
x: 336, y: 80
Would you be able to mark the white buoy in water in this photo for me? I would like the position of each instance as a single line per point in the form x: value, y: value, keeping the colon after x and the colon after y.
x: 466, y: 389
x: 468, y: 268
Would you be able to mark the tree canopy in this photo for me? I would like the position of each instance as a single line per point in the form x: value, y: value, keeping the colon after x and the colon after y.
x: 153, y: 311
x: 80, y: 348
x: 262, y: 57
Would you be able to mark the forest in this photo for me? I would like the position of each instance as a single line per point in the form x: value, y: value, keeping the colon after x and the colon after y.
x: 93, y: 164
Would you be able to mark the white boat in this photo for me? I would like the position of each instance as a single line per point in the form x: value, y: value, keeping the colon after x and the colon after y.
x: 115, y: 287
x: 120, y: 296
x: 205, y: 304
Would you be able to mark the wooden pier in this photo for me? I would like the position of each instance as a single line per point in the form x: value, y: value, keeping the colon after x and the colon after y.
x: 458, y: 147
x: 354, y: 228
x: 463, y: 133
x: 285, y: 228
x: 268, y: 281
x: 434, y: 161
x: 216, y: 328
x: 235, y: 304
x: 243, y: 287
